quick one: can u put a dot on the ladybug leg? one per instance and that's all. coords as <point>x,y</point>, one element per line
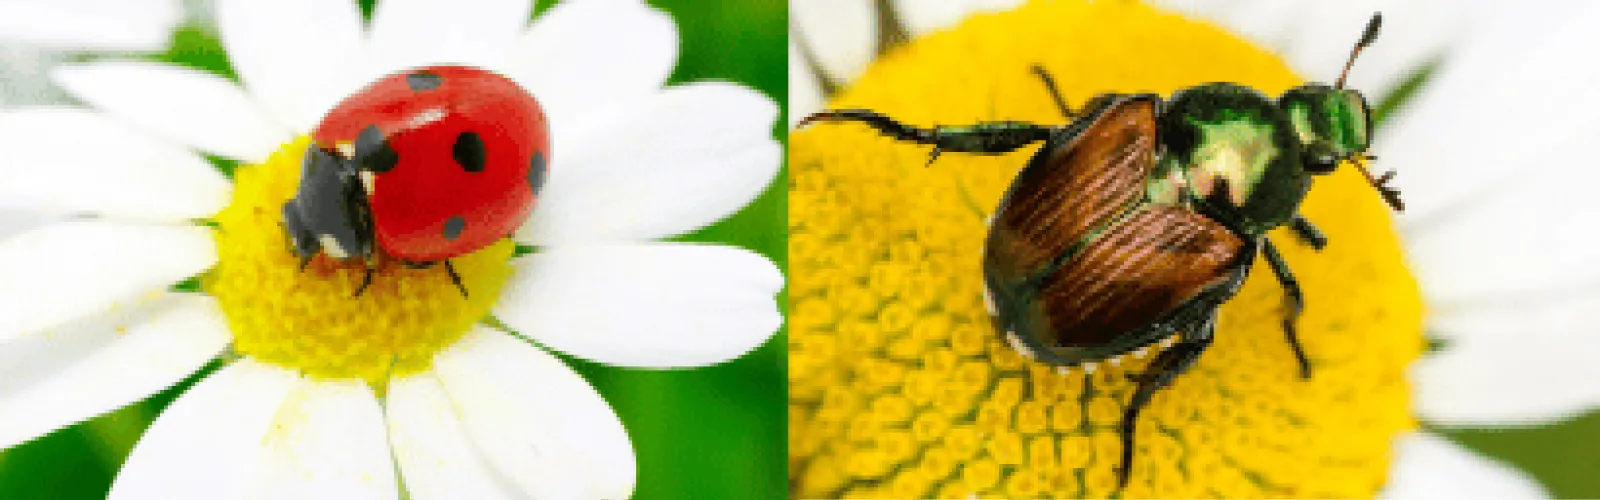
<point>366,280</point>
<point>986,137</point>
<point>1055,93</point>
<point>1291,290</point>
<point>1166,366</point>
<point>455,278</point>
<point>1308,232</point>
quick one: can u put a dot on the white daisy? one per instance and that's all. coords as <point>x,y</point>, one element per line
<point>402,394</point>
<point>1494,230</point>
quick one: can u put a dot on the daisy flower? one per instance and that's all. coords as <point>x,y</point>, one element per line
<point>900,388</point>
<point>410,389</point>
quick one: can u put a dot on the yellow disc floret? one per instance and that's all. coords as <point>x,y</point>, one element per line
<point>311,320</point>
<point>900,388</point>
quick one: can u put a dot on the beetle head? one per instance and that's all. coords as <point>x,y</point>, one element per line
<point>1332,124</point>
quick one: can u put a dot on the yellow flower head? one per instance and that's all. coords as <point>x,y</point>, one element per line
<point>900,387</point>
<point>311,320</point>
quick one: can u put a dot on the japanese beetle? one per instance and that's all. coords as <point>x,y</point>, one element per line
<point>1135,222</point>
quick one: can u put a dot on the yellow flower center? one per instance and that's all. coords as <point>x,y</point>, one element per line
<point>311,320</point>
<point>900,387</point>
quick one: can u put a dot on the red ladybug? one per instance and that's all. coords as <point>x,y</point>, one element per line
<point>424,165</point>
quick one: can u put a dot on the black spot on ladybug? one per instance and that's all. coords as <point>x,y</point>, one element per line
<point>373,152</point>
<point>469,151</point>
<point>423,80</point>
<point>536,171</point>
<point>453,227</point>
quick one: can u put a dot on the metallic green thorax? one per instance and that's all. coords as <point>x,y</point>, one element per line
<point>1237,153</point>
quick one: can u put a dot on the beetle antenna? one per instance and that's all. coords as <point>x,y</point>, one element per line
<point>1381,183</point>
<point>1367,38</point>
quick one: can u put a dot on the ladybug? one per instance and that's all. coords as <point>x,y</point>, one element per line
<point>420,166</point>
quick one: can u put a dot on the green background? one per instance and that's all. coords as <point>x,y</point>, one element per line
<point>709,433</point>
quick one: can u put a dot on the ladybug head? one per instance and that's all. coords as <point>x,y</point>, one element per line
<point>329,212</point>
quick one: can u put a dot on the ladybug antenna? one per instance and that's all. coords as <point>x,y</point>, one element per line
<point>1367,38</point>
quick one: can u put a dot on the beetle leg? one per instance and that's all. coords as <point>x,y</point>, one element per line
<point>1291,290</point>
<point>985,137</point>
<point>1308,232</point>
<point>1166,366</point>
<point>455,278</point>
<point>1055,93</point>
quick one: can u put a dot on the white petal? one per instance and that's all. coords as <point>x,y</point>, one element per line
<point>646,305</point>
<point>436,457</point>
<point>1524,238</point>
<point>1556,311</point>
<point>1508,380</point>
<point>98,365</point>
<point>841,33</point>
<point>328,440</point>
<point>582,58</point>
<point>299,57</point>
<point>1490,77</point>
<point>14,222</point>
<point>72,160</point>
<point>69,270</point>
<point>681,160</point>
<point>1268,23</point>
<point>1429,466</point>
<point>539,424</point>
<point>922,16</point>
<point>25,69</point>
<point>258,431</point>
<point>194,108</point>
<point>411,33</point>
<point>208,444</point>
<point>91,24</point>
<point>805,96</point>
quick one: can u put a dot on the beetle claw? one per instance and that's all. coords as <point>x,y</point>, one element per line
<point>932,156</point>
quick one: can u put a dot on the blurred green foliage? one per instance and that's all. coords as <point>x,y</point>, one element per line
<point>710,433</point>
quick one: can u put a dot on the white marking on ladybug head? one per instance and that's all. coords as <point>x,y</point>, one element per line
<point>367,178</point>
<point>346,149</point>
<point>1062,370</point>
<point>1090,367</point>
<point>1115,360</point>
<point>988,302</point>
<point>331,246</point>
<point>1140,354</point>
